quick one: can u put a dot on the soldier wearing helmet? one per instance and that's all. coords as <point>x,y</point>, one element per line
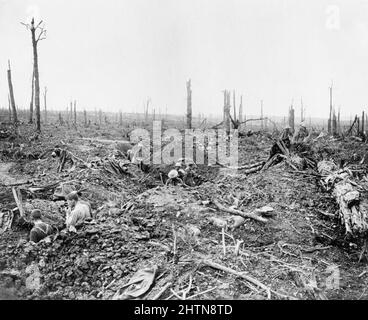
<point>40,229</point>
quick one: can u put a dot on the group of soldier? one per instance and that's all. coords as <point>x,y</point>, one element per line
<point>77,212</point>
<point>298,136</point>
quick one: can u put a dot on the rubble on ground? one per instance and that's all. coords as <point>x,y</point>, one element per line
<point>260,231</point>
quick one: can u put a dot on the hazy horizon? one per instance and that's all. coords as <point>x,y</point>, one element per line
<point>113,55</point>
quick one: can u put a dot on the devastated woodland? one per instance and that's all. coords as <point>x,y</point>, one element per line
<point>276,227</point>
<point>103,205</point>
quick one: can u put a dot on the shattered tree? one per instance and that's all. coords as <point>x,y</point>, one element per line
<point>241,109</point>
<point>120,119</point>
<point>11,95</point>
<point>35,39</point>
<point>85,117</point>
<point>353,207</point>
<point>234,105</point>
<point>32,99</point>
<point>292,119</point>
<point>227,106</point>
<point>45,103</point>
<point>9,107</point>
<point>329,125</point>
<point>189,105</point>
<point>75,112</point>
<point>262,121</point>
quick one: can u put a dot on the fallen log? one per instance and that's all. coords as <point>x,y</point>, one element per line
<point>15,184</point>
<point>247,166</point>
<point>353,208</point>
<point>18,200</point>
<point>243,275</point>
<point>238,212</point>
<point>44,188</point>
<point>271,161</point>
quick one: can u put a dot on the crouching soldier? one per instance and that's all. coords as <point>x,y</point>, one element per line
<point>301,134</point>
<point>40,229</point>
<point>285,136</point>
<point>77,212</point>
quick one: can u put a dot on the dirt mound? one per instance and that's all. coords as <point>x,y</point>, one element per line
<point>141,222</point>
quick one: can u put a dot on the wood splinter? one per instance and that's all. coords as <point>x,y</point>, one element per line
<point>18,200</point>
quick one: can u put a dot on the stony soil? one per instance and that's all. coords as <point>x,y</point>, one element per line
<point>295,254</point>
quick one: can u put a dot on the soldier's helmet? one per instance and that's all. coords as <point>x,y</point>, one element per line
<point>36,214</point>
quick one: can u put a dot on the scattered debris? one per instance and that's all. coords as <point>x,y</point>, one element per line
<point>33,281</point>
<point>254,225</point>
<point>138,285</point>
<point>353,208</point>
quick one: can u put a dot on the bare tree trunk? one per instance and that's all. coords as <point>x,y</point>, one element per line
<point>36,77</point>
<point>291,119</point>
<point>241,109</point>
<point>11,94</point>
<point>32,98</point>
<point>100,116</point>
<point>334,123</point>
<point>44,101</point>
<point>71,112</point>
<point>262,122</point>
<point>61,119</point>
<point>227,112</point>
<point>120,119</point>
<point>363,123</point>
<point>67,115</point>
<point>234,106</point>
<point>75,112</point>
<point>301,110</point>
<point>330,116</point>
<point>85,117</point>
<point>10,112</point>
<point>225,99</point>
<point>146,112</point>
<point>189,105</point>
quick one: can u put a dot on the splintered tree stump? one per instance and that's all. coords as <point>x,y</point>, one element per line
<point>352,213</point>
<point>353,207</point>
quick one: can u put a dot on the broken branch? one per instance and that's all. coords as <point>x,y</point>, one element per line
<point>160,293</point>
<point>18,200</point>
<point>217,266</point>
<point>238,212</point>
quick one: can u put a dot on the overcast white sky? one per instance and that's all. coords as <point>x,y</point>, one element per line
<point>114,54</point>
